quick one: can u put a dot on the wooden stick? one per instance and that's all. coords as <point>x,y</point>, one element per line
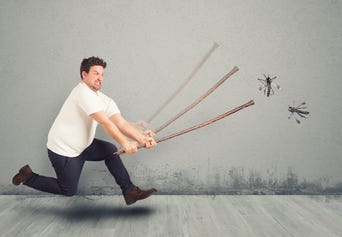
<point>186,81</point>
<point>197,101</point>
<point>249,103</point>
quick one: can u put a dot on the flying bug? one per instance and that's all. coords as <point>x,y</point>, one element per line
<point>299,110</point>
<point>267,85</point>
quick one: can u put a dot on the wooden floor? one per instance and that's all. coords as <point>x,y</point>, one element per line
<point>171,216</point>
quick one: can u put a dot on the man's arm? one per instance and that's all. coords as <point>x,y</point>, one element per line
<point>114,132</point>
<point>143,138</point>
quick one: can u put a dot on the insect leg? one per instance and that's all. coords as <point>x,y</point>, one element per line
<point>291,114</point>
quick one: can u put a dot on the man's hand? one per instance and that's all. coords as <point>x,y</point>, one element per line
<point>130,147</point>
<point>149,140</point>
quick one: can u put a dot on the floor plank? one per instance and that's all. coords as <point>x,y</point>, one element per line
<point>167,215</point>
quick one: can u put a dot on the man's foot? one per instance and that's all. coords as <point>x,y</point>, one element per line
<point>22,176</point>
<point>138,194</point>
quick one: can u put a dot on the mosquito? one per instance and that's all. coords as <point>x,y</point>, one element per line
<point>299,110</point>
<point>267,85</point>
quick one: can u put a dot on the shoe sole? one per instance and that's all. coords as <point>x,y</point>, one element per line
<point>17,179</point>
<point>20,176</point>
<point>134,201</point>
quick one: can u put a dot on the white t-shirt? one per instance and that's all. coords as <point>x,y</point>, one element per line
<point>74,130</point>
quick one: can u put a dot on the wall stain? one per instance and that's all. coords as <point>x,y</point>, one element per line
<point>199,181</point>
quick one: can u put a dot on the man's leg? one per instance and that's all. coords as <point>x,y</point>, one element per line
<point>101,150</point>
<point>68,171</point>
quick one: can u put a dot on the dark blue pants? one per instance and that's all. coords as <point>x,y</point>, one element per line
<point>68,170</point>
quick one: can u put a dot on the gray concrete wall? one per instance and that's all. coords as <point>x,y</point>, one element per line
<point>150,47</point>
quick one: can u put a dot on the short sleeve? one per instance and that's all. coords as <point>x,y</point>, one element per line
<point>112,108</point>
<point>90,102</point>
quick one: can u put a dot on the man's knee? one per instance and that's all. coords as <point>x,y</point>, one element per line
<point>105,146</point>
<point>111,148</point>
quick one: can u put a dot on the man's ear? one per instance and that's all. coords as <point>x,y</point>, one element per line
<point>84,74</point>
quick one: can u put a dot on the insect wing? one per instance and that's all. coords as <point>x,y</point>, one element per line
<point>276,85</point>
<point>301,106</point>
<point>304,107</point>
<point>302,113</point>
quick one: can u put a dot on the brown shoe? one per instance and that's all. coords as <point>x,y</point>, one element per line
<point>138,194</point>
<point>22,176</point>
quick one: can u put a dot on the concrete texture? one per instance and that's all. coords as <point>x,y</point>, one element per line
<point>150,47</point>
<point>171,215</point>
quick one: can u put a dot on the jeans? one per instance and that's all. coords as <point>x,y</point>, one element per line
<point>68,170</point>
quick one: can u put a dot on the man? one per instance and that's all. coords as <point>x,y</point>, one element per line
<point>71,139</point>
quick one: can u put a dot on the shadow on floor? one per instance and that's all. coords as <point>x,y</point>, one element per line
<point>91,211</point>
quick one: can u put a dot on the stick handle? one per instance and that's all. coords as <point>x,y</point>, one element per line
<point>226,114</point>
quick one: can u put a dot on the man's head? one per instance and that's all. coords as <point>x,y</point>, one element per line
<point>91,71</point>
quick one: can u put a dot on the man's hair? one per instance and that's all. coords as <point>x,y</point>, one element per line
<point>91,61</point>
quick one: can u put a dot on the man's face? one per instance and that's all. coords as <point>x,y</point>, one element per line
<point>94,78</point>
